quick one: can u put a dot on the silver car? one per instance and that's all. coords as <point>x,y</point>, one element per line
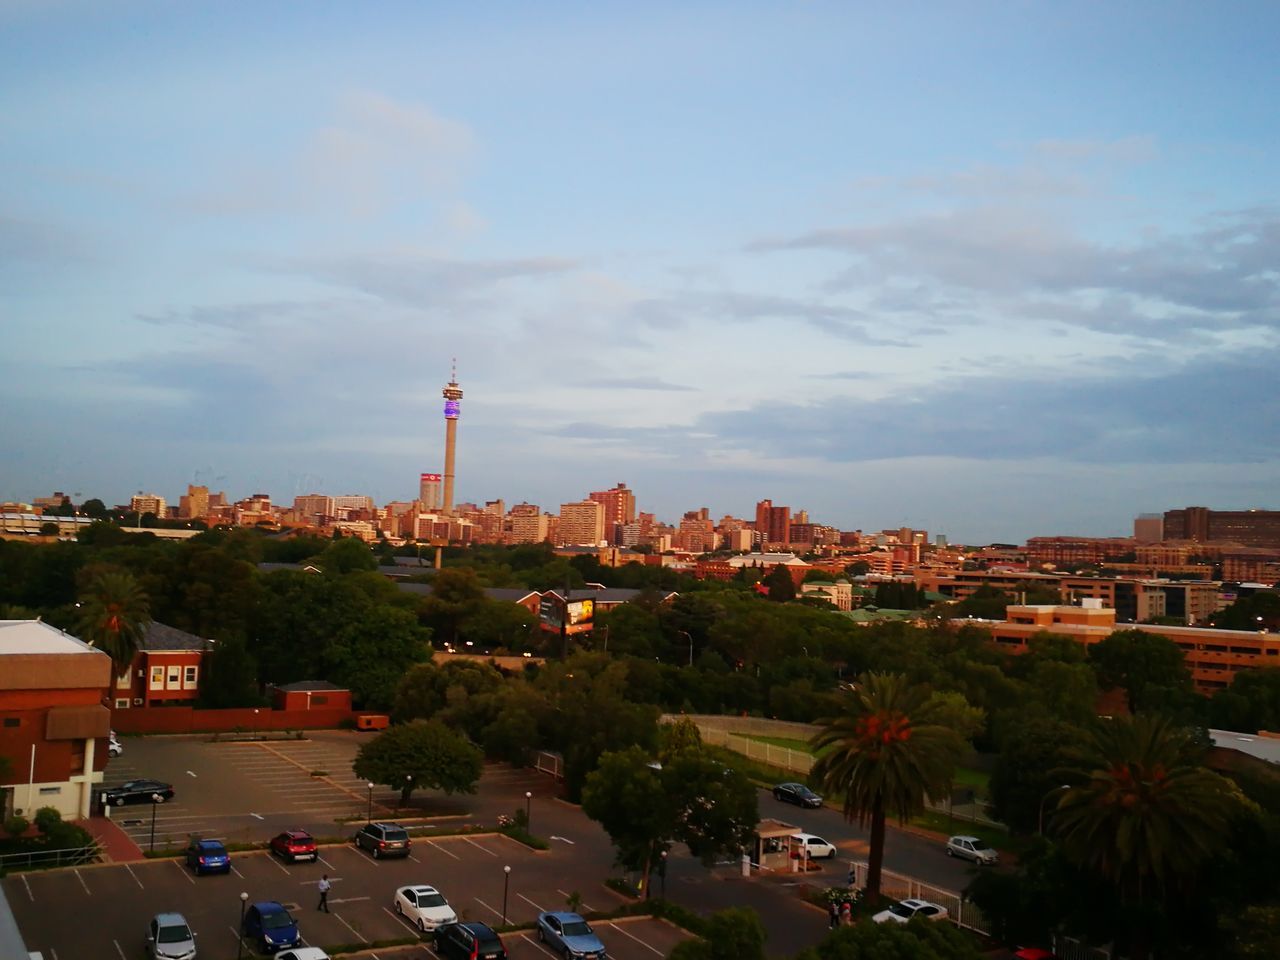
<point>971,848</point>
<point>170,938</point>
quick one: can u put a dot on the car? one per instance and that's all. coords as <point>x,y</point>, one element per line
<point>295,845</point>
<point>904,911</point>
<point>383,839</point>
<point>114,746</point>
<point>971,848</point>
<point>303,953</point>
<point>138,791</point>
<point>570,935</point>
<point>469,941</point>
<point>169,937</point>
<point>814,847</point>
<point>271,926</point>
<point>796,793</point>
<point>208,856</point>
<point>424,906</point>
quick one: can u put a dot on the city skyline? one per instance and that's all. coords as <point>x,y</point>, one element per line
<point>987,271</point>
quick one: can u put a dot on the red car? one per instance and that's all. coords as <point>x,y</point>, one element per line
<point>294,845</point>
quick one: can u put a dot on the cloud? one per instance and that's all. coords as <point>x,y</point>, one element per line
<point>633,383</point>
<point>26,241</point>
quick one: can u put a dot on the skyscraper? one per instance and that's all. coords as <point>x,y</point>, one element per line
<point>429,491</point>
<point>619,508</point>
<point>452,394</point>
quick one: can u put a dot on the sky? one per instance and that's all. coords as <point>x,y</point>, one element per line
<point>993,270</point>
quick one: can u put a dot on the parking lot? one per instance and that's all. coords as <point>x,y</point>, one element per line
<point>102,911</point>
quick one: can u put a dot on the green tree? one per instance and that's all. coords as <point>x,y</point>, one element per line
<point>231,677</point>
<point>884,753</point>
<point>1255,611</point>
<point>780,583</point>
<point>95,508</point>
<point>734,933</point>
<point>1143,814</point>
<point>48,529</point>
<point>1148,667</point>
<point>1250,704</point>
<point>422,755</point>
<point>346,555</point>
<point>1023,776</point>
<point>114,613</point>
<point>456,597</point>
<point>918,940</point>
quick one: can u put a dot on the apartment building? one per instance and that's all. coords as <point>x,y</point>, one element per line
<point>581,523</point>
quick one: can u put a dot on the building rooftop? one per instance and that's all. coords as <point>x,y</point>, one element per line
<point>1255,745</point>
<point>159,636</point>
<point>314,685</point>
<point>36,636</point>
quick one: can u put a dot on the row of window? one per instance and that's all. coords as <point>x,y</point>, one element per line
<point>173,677</point>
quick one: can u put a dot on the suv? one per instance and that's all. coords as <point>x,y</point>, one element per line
<point>294,845</point>
<point>469,941</point>
<point>383,840</point>
<point>971,848</point>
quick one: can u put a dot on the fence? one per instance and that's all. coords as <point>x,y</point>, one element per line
<point>1067,948</point>
<point>236,719</point>
<point>755,726</point>
<point>960,911</point>
<point>548,762</point>
<point>794,761</point>
<point>41,859</point>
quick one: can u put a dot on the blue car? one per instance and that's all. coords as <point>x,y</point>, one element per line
<point>271,926</point>
<point>570,936</point>
<point>208,856</point>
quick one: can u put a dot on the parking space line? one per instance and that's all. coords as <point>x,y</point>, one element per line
<point>401,917</point>
<point>83,884</point>
<point>120,950</point>
<point>432,843</point>
<point>324,861</point>
<point>535,906</point>
<point>636,939</point>
<point>582,903</point>
<point>478,847</point>
<point>363,938</point>
<point>186,873</point>
<point>527,939</point>
<point>496,913</point>
<point>132,874</point>
<point>53,953</point>
<point>237,872</point>
<point>274,860</point>
<point>30,895</point>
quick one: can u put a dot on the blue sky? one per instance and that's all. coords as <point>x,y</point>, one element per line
<point>994,270</point>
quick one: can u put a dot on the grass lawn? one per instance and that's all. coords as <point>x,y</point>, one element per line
<point>976,780</point>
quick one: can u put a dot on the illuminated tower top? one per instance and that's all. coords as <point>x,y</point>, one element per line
<point>452,394</point>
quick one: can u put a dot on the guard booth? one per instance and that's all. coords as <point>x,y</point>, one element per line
<point>372,721</point>
<point>772,846</point>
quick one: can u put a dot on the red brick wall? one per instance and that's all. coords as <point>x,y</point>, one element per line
<point>190,720</point>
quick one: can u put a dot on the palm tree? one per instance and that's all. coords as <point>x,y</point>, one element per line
<point>114,613</point>
<point>885,754</point>
<point>1141,811</point>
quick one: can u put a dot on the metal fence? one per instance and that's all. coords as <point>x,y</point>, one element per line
<point>41,859</point>
<point>548,762</point>
<point>795,761</point>
<point>1067,948</point>
<point>960,911</point>
<point>755,726</point>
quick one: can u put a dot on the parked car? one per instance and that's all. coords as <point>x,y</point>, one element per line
<point>294,845</point>
<point>208,856</point>
<point>424,906</point>
<point>815,847</point>
<point>271,926</point>
<point>138,791</point>
<point>169,937</point>
<point>796,793</point>
<point>569,934</point>
<point>905,910</point>
<point>303,953</point>
<point>469,941</point>
<point>383,840</point>
<point>114,746</point>
<point>971,848</point>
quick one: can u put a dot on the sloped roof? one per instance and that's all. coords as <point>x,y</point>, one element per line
<point>159,636</point>
<point>301,686</point>
<point>36,636</point>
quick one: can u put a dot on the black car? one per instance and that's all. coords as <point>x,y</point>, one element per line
<point>138,791</point>
<point>383,840</point>
<point>469,941</point>
<point>796,793</point>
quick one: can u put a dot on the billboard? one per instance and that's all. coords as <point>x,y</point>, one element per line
<point>552,611</point>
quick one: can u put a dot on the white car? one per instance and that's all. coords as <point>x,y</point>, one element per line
<point>806,844</point>
<point>971,848</point>
<point>114,746</point>
<point>905,910</point>
<point>424,906</point>
<point>303,953</point>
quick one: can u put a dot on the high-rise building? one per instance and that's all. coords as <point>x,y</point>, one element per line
<point>1252,528</point>
<point>773,524</point>
<point>194,504</point>
<point>452,394</point>
<point>429,491</point>
<point>528,524</point>
<point>353,506</point>
<point>314,508</point>
<point>581,523</point>
<point>619,508</point>
<point>141,503</point>
<point>1148,528</point>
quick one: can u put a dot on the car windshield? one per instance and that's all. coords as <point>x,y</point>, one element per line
<point>804,791</point>
<point>431,900</point>
<point>489,943</point>
<point>576,928</point>
<point>277,921</point>
<point>174,934</point>
<point>902,910</point>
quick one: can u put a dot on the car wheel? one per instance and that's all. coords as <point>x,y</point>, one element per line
<point>950,852</point>
<point>422,927</point>
<point>119,801</point>
<point>542,935</point>
<point>777,794</point>
<point>399,908</point>
<point>377,854</point>
<point>159,799</point>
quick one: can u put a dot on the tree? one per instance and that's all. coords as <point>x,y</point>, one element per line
<point>1148,667</point>
<point>885,753</point>
<point>1142,814</point>
<point>456,596</point>
<point>346,555</point>
<point>114,613</point>
<point>421,755</point>
<point>918,940</point>
<point>95,508</point>
<point>780,583</point>
<point>734,933</point>
<point>231,678</point>
<point>1023,776</point>
<point>1255,611</point>
<point>1250,704</point>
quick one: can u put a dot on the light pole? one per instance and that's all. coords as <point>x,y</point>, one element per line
<point>369,818</point>
<point>1043,800</point>
<point>506,885</point>
<point>408,786</point>
<point>244,898</point>
<point>685,634</point>
<point>528,808</point>
<point>156,799</point>
<point>662,872</point>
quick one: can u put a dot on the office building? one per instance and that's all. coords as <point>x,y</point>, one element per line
<point>581,523</point>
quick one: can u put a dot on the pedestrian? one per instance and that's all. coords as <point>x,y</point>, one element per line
<point>833,915</point>
<point>323,887</point>
<point>846,914</point>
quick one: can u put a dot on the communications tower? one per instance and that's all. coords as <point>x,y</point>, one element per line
<point>452,394</point>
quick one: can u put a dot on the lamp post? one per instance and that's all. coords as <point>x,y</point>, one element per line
<point>408,786</point>
<point>156,799</point>
<point>1043,800</point>
<point>244,898</point>
<point>685,634</point>
<point>369,818</point>
<point>528,808</point>
<point>662,872</point>
<point>506,885</point>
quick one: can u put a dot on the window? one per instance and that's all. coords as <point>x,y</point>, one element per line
<point>157,678</point>
<point>175,677</point>
<point>319,701</point>
<point>49,791</point>
<point>12,722</point>
<point>189,677</point>
<point>122,703</point>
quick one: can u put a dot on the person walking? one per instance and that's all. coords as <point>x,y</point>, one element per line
<point>323,887</point>
<point>833,915</point>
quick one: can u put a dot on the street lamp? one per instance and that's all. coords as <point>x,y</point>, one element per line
<point>244,898</point>
<point>528,808</point>
<point>1043,800</point>
<point>662,872</point>
<point>155,800</point>
<point>408,786</point>
<point>685,633</point>
<point>369,818</point>
<point>506,885</point>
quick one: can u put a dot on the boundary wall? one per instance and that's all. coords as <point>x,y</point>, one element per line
<point>233,720</point>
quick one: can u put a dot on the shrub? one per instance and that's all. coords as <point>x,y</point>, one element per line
<point>16,826</point>
<point>48,819</point>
